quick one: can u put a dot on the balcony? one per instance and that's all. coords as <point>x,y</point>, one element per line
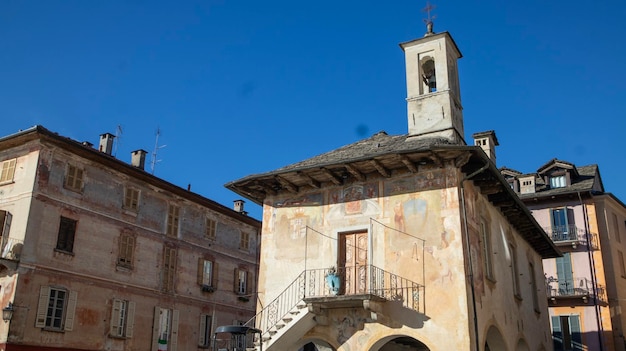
<point>571,235</point>
<point>365,286</point>
<point>10,251</point>
<point>574,288</point>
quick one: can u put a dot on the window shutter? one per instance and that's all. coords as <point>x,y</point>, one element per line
<point>564,274</point>
<point>130,319</point>
<point>115,318</point>
<point>69,313</point>
<point>174,340</point>
<point>5,223</point>
<point>574,328</point>
<point>202,330</point>
<point>214,275</point>
<point>42,309</point>
<point>236,281</point>
<point>557,336</point>
<point>248,285</point>
<point>155,328</point>
<point>200,270</point>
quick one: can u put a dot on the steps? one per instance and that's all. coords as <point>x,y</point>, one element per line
<point>290,329</point>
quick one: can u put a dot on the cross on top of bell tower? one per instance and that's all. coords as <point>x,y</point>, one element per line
<point>429,19</point>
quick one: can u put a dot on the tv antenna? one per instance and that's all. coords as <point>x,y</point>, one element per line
<point>154,159</point>
<point>118,137</point>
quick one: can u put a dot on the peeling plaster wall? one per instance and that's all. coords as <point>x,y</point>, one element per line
<point>301,231</point>
<point>38,198</point>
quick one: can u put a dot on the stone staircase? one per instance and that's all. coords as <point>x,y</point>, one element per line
<point>289,329</point>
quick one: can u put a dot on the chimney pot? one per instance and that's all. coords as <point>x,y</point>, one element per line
<point>106,143</point>
<point>238,206</point>
<point>138,158</point>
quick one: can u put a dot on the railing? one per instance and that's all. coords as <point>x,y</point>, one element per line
<point>11,248</point>
<point>353,281</point>
<point>569,233</point>
<point>576,287</point>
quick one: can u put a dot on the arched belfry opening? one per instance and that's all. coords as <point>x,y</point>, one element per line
<point>427,68</point>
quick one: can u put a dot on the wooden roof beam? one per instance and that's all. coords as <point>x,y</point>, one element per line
<point>333,178</point>
<point>436,159</point>
<point>381,169</point>
<point>310,181</point>
<point>355,172</point>
<point>286,184</point>
<point>408,163</point>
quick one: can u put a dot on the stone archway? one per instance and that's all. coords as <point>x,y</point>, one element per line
<point>494,340</point>
<point>404,343</point>
<point>316,345</point>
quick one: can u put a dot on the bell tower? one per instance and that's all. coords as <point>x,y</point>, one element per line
<point>432,84</point>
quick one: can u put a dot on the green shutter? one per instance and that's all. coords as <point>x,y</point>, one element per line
<point>557,335</point>
<point>564,274</point>
<point>574,327</point>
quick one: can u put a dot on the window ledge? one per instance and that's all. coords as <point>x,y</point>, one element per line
<point>7,182</point>
<point>123,268</point>
<point>119,337</point>
<point>63,252</point>
<point>130,211</point>
<point>54,330</point>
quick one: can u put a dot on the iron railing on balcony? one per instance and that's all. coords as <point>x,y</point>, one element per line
<point>570,233</point>
<point>10,248</point>
<point>575,287</point>
<point>353,281</point>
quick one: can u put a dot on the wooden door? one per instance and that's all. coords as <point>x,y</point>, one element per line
<point>353,262</point>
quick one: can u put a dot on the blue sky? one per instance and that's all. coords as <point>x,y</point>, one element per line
<point>244,87</point>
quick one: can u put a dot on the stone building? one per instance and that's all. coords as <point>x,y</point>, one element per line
<point>98,254</point>
<point>412,242</point>
<point>587,285</point>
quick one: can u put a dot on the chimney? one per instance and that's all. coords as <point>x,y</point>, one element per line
<point>138,158</point>
<point>488,142</point>
<point>238,206</point>
<point>106,143</point>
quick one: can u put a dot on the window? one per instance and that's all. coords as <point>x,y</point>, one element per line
<point>204,332</point>
<point>533,286</point>
<point>131,199</point>
<point>122,318</point>
<point>485,237</point>
<point>564,275</point>
<point>67,230</point>
<point>126,250</point>
<point>514,272</point>
<point>561,228</point>
<point>566,334</point>
<point>206,275</point>
<point>244,240</point>
<point>169,268</point>
<point>7,171</point>
<point>5,224</point>
<point>210,228</point>
<point>74,179</point>
<point>241,281</point>
<point>172,220</point>
<point>622,268</point>
<point>558,181</point>
<point>56,309</point>
<point>165,329</point>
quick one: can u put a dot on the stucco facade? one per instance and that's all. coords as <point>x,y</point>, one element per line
<point>99,255</point>
<point>585,287</point>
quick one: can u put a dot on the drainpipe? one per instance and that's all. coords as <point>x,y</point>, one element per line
<point>592,268</point>
<point>469,254</point>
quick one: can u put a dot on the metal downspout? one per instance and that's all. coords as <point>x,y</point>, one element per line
<point>469,254</point>
<point>592,268</point>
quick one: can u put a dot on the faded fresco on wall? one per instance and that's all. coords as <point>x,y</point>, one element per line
<point>289,218</point>
<point>359,201</point>
<point>473,224</point>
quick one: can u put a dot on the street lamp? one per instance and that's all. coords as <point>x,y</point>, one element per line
<point>7,312</point>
